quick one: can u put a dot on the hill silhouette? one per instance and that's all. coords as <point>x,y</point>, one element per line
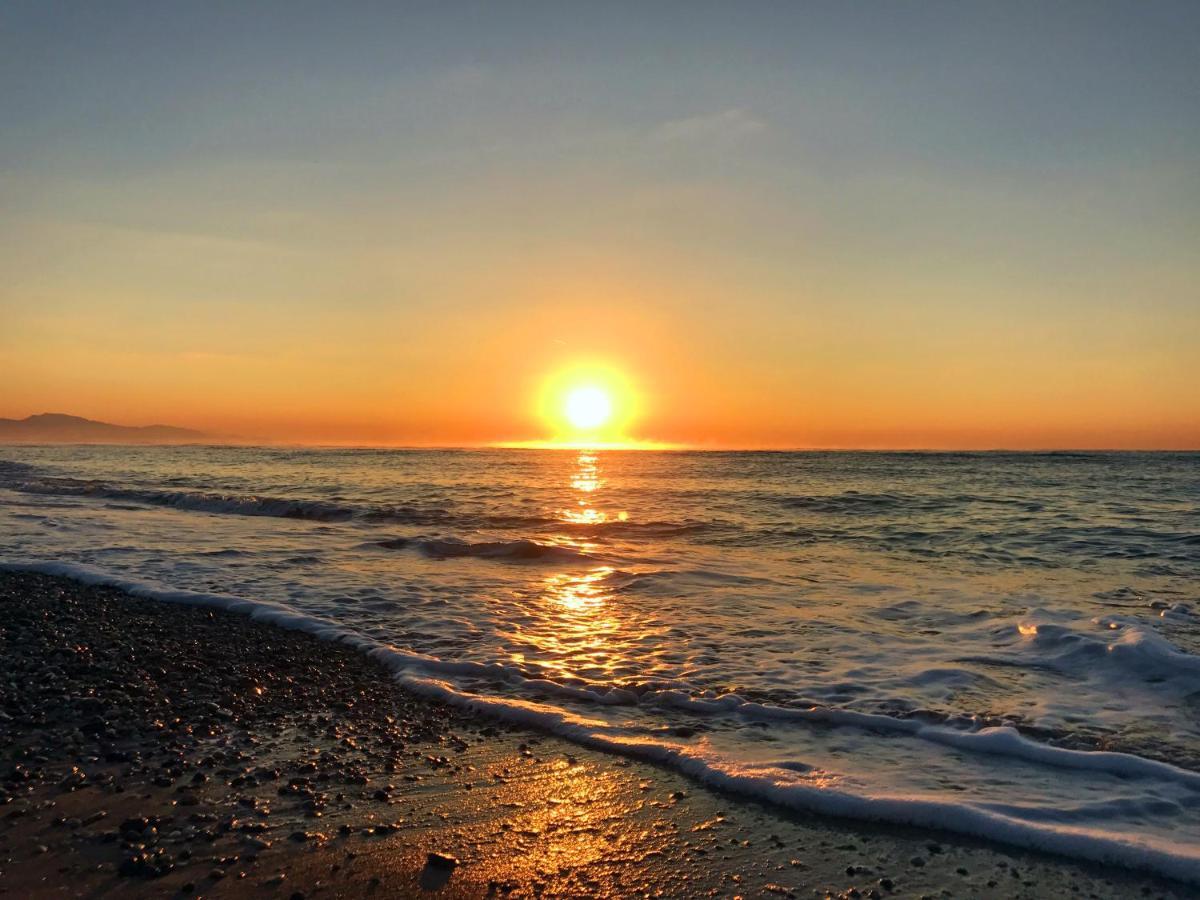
<point>59,428</point>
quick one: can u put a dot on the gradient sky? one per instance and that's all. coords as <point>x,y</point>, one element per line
<point>793,224</point>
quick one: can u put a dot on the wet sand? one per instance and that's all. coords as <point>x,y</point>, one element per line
<point>148,749</point>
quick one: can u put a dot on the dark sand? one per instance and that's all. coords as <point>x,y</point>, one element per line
<point>148,749</point>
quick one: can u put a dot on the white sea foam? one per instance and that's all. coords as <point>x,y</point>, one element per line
<point>1122,644</point>
<point>1083,829</point>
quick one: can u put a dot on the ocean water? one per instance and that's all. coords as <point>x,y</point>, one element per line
<point>1004,645</point>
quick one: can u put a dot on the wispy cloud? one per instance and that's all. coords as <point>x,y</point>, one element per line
<point>729,123</point>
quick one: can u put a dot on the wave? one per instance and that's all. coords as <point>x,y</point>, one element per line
<point>925,525</point>
<point>519,550</point>
<point>456,548</point>
<point>219,503</point>
<point>995,740</point>
<point>856,502</point>
<point>237,504</point>
<point>605,527</point>
<point>1014,542</point>
<point>1124,649</point>
<point>786,782</point>
<point>9,467</point>
<point>849,501</point>
<point>645,529</point>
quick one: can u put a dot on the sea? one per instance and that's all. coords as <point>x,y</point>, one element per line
<point>1003,645</point>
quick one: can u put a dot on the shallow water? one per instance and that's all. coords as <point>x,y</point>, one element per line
<point>851,633</point>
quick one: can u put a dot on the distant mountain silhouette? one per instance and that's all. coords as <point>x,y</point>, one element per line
<point>57,428</point>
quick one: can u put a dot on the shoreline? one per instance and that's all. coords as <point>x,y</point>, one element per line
<point>174,750</point>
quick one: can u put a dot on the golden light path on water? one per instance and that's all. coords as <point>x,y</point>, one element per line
<point>580,631</point>
<point>588,480</point>
<point>587,633</point>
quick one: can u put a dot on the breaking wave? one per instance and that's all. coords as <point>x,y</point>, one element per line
<point>235,504</point>
<point>517,551</point>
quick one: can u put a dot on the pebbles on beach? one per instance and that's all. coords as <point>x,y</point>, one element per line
<point>203,753</point>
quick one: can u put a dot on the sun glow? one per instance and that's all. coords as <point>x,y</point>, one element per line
<point>587,408</point>
<point>588,405</point>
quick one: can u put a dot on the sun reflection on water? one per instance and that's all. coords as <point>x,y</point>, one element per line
<point>578,629</point>
<point>587,479</point>
<point>579,593</point>
<point>580,634</point>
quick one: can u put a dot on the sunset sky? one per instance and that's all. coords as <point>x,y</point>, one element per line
<point>769,225</point>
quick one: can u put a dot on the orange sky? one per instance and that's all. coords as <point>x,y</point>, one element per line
<point>389,377</point>
<point>788,230</point>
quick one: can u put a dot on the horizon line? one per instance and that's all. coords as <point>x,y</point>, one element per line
<point>599,447</point>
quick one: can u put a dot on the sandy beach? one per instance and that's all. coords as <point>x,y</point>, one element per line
<point>159,750</point>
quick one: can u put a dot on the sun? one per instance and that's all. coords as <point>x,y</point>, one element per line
<point>588,408</point>
<point>587,403</point>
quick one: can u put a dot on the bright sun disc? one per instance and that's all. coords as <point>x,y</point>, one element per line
<point>588,407</point>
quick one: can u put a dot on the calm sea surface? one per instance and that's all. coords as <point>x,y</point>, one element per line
<point>926,638</point>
